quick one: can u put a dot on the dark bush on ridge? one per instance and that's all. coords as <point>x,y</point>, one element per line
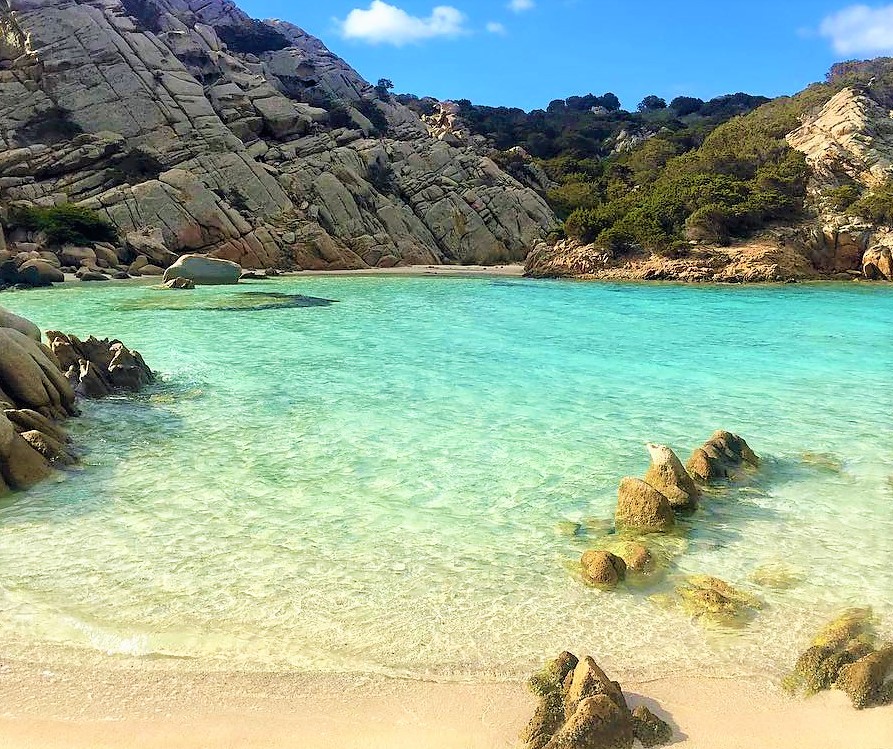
<point>65,224</point>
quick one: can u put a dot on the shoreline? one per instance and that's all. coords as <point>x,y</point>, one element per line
<point>128,707</point>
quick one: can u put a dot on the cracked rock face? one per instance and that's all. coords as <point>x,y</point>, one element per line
<point>248,140</point>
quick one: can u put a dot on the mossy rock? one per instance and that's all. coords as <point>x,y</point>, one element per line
<point>710,598</point>
<point>649,729</point>
<point>868,682</point>
<point>843,641</point>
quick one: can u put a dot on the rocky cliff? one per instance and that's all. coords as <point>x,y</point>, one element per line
<point>189,122</point>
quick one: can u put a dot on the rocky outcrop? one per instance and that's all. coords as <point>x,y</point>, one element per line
<point>186,120</point>
<point>850,137</point>
<point>581,708</point>
<point>775,256</point>
<point>204,271</point>
<point>38,386</point>
<point>97,368</point>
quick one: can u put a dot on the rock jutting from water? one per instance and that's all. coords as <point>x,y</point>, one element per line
<point>723,456</point>
<point>581,708</point>
<point>204,271</point>
<point>98,368</point>
<point>846,654</point>
<point>36,394</point>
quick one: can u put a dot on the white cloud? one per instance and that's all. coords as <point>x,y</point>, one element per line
<point>382,23</point>
<point>496,28</point>
<point>860,29</point>
<point>519,6</point>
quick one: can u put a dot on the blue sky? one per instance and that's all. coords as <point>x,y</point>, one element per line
<point>527,52</point>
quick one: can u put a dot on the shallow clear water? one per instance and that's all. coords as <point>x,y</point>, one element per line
<point>384,483</point>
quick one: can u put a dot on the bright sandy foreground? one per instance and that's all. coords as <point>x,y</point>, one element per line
<point>130,706</point>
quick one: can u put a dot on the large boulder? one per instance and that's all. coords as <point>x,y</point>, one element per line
<point>150,247</point>
<point>204,271</point>
<point>11,320</point>
<point>877,264</point>
<point>667,474</point>
<point>30,378</point>
<point>40,273</point>
<point>21,466</point>
<point>642,508</point>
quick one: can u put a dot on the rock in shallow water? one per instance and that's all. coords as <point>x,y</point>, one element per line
<point>603,569</point>
<point>667,474</point>
<point>641,507</point>
<point>97,368</point>
<point>721,457</point>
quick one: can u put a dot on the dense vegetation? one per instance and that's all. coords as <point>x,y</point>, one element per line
<point>65,224</point>
<point>672,173</point>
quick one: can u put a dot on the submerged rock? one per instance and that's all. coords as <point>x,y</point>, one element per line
<point>721,457</point>
<point>638,557</point>
<point>641,507</point>
<point>581,708</point>
<point>667,474</point>
<point>710,598</point>
<point>180,283</point>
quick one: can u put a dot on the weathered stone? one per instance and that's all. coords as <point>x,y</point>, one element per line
<point>877,264</point>
<point>11,320</point>
<point>721,457</point>
<point>638,557</point>
<point>26,420</point>
<point>588,680</point>
<point>669,477</point>
<point>180,283</point>
<point>20,465</point>
<point>869,681</point>
<point>641,507</point>
<point>603,569</point>
<point>649,729</point>
<point>50,448</point>
<point>204,270</point>
<point>31,378</point>
<point>40,273</point>
<point>596,723</point>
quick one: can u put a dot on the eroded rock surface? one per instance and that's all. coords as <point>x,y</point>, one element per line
<point>97,368</point>
<point>581,708</point>
<point>187,122</point>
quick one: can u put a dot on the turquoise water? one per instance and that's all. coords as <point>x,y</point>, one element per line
<point>388,483</point>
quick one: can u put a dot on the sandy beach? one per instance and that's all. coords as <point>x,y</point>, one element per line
<point>127,706</point>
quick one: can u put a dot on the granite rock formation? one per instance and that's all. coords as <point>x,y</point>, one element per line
<point>189,123</point>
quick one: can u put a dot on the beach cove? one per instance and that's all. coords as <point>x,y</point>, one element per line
<point>327,461</point>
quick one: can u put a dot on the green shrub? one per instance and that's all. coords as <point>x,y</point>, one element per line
<point>876,206</point>
<point>65,224</point>
<point>841,198</point>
